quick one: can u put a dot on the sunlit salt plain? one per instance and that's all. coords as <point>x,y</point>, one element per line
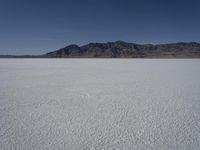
<point>81,104</point>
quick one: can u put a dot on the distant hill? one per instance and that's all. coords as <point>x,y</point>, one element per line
<point>121,49</point>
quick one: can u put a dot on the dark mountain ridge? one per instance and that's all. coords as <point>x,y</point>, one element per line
<point>121,49</point>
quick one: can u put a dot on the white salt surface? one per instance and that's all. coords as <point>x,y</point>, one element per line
<point>81,104</point>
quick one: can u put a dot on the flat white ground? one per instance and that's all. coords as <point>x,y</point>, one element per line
<point>111,104</point>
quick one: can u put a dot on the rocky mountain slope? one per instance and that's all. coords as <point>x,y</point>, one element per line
<point>121,49</point>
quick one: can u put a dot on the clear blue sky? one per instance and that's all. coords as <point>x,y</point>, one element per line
<point>38,26</point>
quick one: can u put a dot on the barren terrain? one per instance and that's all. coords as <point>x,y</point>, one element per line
<point>111,104</point>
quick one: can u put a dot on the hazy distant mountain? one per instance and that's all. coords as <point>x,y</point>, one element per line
<point>121,49</point>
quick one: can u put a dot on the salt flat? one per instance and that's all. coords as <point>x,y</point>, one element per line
<point>73,104</point>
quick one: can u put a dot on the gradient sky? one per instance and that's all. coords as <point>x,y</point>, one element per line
<point>39,26</point>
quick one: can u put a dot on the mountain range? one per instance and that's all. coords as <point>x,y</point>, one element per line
<point>121,49</point>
